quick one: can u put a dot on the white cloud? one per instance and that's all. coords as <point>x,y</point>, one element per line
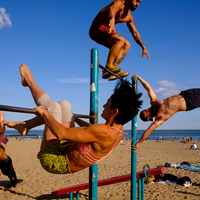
<point>168,89</point>
<point>164,92</point>
<point>167,84</point>
<point>4,19</point>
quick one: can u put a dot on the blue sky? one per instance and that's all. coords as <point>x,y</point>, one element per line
<point>51,37</point>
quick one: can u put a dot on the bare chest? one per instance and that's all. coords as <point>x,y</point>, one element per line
<point>122,16</point>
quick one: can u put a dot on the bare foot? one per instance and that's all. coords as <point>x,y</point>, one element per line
<point>19,126</point>
<point>26,76</point>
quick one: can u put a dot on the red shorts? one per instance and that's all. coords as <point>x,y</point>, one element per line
<point>100,34</point>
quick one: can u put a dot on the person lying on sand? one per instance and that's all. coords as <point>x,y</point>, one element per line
<point>184,181</point>
<point>68,149</point>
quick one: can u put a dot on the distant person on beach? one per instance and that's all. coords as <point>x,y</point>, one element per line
<point>6,165</point>
<point>4,140</point>
<point>194,147</point>
<point>162,110</point>
<point>103,32</point>
<point>68,149</point>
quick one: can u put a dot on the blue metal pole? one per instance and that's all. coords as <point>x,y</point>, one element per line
<point>142,188</point>
<point>134,154</point>
<point>77,195</point>
<point>71,195</point>
<point>139,189</point>
<point>94,77</point>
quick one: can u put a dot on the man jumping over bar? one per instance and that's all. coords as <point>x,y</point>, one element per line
<point>164,109</point>
<point>103,32</point>
<point>68,149</point>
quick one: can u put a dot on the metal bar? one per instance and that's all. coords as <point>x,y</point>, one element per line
<point>134,154</point>
<point>142,188</point>
<point>139,189</point>
<point>114,74</point>
<point>77,195</point>
<point>94,76</point>
<point>109,181</point>
<point>32,111</point>
<point>71,195</point>
<point>17,109</point>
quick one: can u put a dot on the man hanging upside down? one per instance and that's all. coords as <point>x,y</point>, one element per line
<point>68,149</point>
<point>103,32</point>
<point>164,109</point>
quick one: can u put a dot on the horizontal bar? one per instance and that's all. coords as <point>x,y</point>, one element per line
<point>106,69</point>
<point>17,109</point>
<point>108,181</point>
<point>32,111</point>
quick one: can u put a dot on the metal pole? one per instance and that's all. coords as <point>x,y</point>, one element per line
<point>142,188</point>
<point>94,76</point>
<point>134,154</point>
<point>32,111</point>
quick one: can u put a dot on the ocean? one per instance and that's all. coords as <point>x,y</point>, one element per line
<point>165,134</point>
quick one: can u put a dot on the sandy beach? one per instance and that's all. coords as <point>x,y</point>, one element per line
<point>35,183</point>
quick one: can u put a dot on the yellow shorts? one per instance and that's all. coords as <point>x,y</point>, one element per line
<point>53,158</point>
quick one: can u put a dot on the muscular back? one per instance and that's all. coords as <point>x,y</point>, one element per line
<point>168,107</point>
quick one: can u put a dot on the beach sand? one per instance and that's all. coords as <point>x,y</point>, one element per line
<point>35,183</point>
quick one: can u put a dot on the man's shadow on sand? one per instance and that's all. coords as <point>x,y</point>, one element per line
<point>5,184</point>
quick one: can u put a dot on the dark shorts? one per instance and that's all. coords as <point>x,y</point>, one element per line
<point>100,34</point>
<point>6,167</point>
<point>192,98</point>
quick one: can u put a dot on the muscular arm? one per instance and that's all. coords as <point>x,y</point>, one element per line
<point>147,87</point>
<point>148,131</point>
<point>136,36</point>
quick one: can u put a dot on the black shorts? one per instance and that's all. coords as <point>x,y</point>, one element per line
<point>192,98</point>
<point>7,167</point>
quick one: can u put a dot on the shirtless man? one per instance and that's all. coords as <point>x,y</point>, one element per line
<point>85,145</point>
<point>162,110</point>
<point>103,32</point>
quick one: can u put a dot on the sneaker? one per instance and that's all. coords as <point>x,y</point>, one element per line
<point>106,74</point>
<point>121,74</point>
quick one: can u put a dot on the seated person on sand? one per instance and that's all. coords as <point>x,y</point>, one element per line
<point>83,146</point>
<point>164,109</point>
<point>194,147</point>
<point>6,165</point>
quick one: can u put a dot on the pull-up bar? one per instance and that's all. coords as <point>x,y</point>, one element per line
<point>106,69</point>
<point>32,111</point>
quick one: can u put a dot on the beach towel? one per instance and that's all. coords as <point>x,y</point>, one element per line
<point>185,165</point>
